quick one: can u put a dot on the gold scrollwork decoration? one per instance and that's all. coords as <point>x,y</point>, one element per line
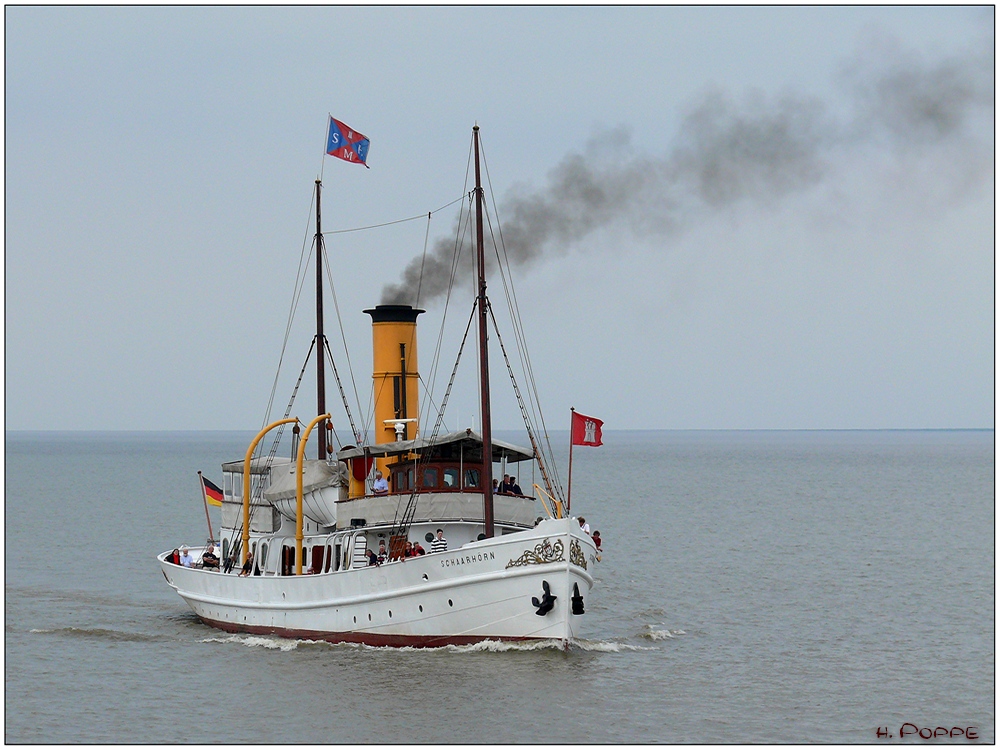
<point>545,552</point>
<point>576,554</point>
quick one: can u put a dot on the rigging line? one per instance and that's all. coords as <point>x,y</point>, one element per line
<point>326,140</point>
<point>513,306</point>
<point>454,371</point>
<point>343,337</point>
<point>427,394</point>
<point>343,397</point>
<point>436,359</point>
<point>401,524</point>
<point>300,277</point>
<point>420,279</point>
<point>455,265</point>
<point>520,401</point>
<point>390,223</point>
<point>508,285</point>
<point>369,415</point>
<point>377,396</point>
<point>456,253</point>
<point>519,333</point>
<point>463,226</point>
<point>275,443</point>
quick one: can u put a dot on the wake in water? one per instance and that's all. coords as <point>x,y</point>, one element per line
<point>101,634</point>
<point>651,633</point>
<point>289,644</point>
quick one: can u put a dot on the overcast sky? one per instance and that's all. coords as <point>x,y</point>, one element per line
<point>725,217</point>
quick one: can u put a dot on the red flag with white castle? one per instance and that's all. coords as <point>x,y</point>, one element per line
<point>586,430</point>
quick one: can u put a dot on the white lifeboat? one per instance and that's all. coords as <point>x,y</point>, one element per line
<point>321,483</point>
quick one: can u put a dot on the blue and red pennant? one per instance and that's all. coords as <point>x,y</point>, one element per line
<point>346,143</point>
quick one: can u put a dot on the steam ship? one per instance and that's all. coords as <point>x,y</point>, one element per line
<point>299,536</point>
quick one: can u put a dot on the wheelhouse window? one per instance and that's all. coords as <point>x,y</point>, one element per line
<point>399,481</point>
<point>430,477</point>
<point>472,477</point>
<point>451,478</point>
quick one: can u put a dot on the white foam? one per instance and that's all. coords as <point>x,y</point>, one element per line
<point>257,641</point>
<point>482,646</point>
<point>660,635</point>
<point>612,647</point>
<point>500,646</point>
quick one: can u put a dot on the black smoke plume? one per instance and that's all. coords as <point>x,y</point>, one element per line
<point>759,148</point>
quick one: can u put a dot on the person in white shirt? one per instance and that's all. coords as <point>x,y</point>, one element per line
<point>380,486</point>
<point>186,560</point>
<point>584,525</point>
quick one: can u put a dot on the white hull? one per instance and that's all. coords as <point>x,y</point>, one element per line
<point>481,591</point>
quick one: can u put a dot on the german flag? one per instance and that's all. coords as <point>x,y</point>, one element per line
<point>213,495</point>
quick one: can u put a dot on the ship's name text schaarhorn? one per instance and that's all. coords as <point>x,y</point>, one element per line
<point>467,559</point>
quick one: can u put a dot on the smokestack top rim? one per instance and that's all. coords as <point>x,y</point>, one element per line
<point>394,313</point>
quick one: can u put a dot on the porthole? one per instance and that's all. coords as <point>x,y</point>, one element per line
<point>429,537</point>
<point>451,603</point>
<point>355,620</point>
<point>421,607</point>
<point>390,614</point>
<point>369,617</point>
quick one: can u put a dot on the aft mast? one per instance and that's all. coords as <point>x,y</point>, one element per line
<point>484,368</point>
<point>320,339</point>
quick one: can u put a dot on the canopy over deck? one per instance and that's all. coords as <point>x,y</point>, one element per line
<point>258,464</point>
<point>464,443</point>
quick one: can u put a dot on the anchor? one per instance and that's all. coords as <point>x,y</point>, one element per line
<point>547,601</point>
<point>577,600</point>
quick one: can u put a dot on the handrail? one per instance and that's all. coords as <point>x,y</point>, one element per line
<point>246,484</point>
<point>298,491</point>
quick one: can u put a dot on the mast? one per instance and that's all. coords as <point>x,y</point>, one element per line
<point>484,369</point>
<point>320,339</point>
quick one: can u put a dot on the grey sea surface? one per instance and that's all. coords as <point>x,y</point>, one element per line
<point>767,587</point>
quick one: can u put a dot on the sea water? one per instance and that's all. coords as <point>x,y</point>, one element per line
<point>782,587</point>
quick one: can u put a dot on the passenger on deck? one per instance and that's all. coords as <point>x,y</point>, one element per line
<point>440,544</point>
<point>597,540</point>
<point>380,486</point>
<point>174,557</point>
<point>584,525</point>
<point>418,550</point>
<point>382,555</point>
<point>505,485</point>
<point>186,560</point>
<point>209,559</point>
<point>372,557</point>
<point>496,487</point>
<point>247,566</point>
<point>515,488</point>
<point>408,549</point>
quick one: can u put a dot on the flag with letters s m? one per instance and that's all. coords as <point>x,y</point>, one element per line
<point>346,143</point>
<point>586,430</point>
